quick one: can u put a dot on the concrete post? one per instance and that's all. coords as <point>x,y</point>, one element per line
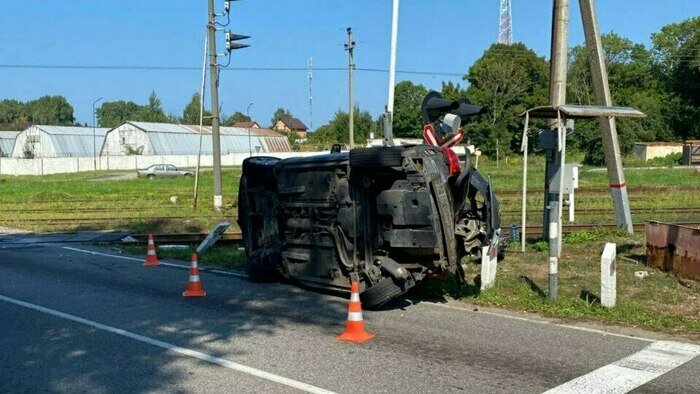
<point>608,276</point>
<point>489,265</point>
<point>611,146</point>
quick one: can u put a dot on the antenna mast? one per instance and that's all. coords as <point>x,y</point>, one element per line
<point>505,24</point>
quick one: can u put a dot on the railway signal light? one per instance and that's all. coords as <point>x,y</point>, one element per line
<point>231,43</point>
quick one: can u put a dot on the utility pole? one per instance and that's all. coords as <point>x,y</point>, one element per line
<point>389,114</point>
<point>94,121</point>
<point>311,96</point>
<point>611,146</point>
<point>555,163</point>
<point>215,136</point>
<point>350,46</point>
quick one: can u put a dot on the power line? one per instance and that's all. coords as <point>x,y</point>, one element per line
<point>190,68</point>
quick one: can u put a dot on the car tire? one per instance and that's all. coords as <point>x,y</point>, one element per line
<point>378,156</point>
<point>261,270</point>
<point>260,171</point>
<point>379,294</point>
<point>151,177</point>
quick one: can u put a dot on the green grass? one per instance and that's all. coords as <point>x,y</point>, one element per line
<point>130,204</point>
<point>660,302</point>
<point>222,255</point>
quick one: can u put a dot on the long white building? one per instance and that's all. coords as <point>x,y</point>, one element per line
<point>144,138</point>
<point>41,141</point>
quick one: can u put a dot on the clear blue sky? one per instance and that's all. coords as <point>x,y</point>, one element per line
<point>285,33</point>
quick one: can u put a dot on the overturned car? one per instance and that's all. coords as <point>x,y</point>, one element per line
<point>383,216</point>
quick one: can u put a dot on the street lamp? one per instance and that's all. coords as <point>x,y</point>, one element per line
<point>250,145</point>
<point>94,120</point>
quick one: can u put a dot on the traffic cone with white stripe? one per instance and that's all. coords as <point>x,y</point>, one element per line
<point>194,285</point>
<point>151,258</point>
<point>355,325</point>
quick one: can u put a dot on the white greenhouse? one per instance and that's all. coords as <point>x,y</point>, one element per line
<point>143,138</point>
<point>41,141</point>
<point>7,141</point>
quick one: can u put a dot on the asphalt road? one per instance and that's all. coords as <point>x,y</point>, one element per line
<point>76,322</point>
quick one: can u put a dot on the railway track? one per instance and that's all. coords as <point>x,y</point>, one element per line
<point>533,231</point>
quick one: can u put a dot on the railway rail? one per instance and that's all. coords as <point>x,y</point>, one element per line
<point>533,231</point>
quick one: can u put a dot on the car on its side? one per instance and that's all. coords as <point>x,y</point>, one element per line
<point>384,216</point>
<point>163,171</point>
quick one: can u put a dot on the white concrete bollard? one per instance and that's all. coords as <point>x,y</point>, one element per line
<point>488,268</point>
<point>608,276</point>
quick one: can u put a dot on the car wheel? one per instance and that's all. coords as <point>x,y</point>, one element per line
<point>261,270</point>
<point>378,156</point>
<point>151,176</point>
<point>380,293</point>
<point>260,171</point>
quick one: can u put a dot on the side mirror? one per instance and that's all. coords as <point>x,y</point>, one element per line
<point>335,148</point>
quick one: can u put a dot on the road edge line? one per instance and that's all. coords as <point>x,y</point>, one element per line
<point>202,269</point>
<point>170,347</point>
<point>543,322</point>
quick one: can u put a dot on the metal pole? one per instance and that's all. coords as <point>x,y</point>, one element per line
<point>215,136</point>
<point>94,149</point>
<point>523,212</point>
<point>250,145</point>
<point>557,97</point>
<point>389,116</point>
<point>611,145</point>
<point>350,46</point>
<point>201,117</point>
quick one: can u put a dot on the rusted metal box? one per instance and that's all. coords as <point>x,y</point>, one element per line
<point>674,248</point>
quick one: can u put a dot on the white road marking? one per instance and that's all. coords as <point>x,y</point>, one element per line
<point>92,252</point>
<point>173,348</point>
<point>464,309</point>
<point>631,372</point>
<point>543,322</point>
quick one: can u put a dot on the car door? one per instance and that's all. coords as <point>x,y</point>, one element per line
<point>159,170</point>
<point>170,170</point>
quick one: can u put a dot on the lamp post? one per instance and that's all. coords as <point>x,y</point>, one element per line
<point>250,145</point>
<point>94,120</point>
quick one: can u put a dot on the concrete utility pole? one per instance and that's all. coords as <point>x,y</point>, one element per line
<point>557,97</point>
<point>215,136</point>
<point>611,146</point>
<point>94,121</point>
<point>389,114</point>
<point>350,46</point>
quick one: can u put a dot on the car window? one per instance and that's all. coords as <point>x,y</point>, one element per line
<point>171,168</point>
<point>159,167</point>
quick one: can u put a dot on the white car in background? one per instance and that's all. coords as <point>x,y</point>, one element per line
<point>163,171</point>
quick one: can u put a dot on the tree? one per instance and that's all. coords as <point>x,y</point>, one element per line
<point>633,83</point>
<point>237,116</point>
<point>50,110</point>
<point>407,100</point>
<point>13,114</point>
<point>336,131</point>
<point>114,113</point>
<point>676,53</point>
<point>190,115</point>
<point>279,114</point>
<point>507,80</point>
<point>453,91</point>
<point>152,112</point>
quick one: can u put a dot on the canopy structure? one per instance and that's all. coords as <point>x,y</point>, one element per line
<point>582,112</point>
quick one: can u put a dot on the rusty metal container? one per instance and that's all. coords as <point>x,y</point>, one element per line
<point>674,248</point>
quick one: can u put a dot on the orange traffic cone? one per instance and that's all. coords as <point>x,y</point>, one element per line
<point>355,325</point>
<point>151,258</point>
<point>194,285</point>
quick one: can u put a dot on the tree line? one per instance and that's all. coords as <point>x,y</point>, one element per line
<point>662,81</point>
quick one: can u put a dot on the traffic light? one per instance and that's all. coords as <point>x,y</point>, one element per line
<point>230,41</point>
